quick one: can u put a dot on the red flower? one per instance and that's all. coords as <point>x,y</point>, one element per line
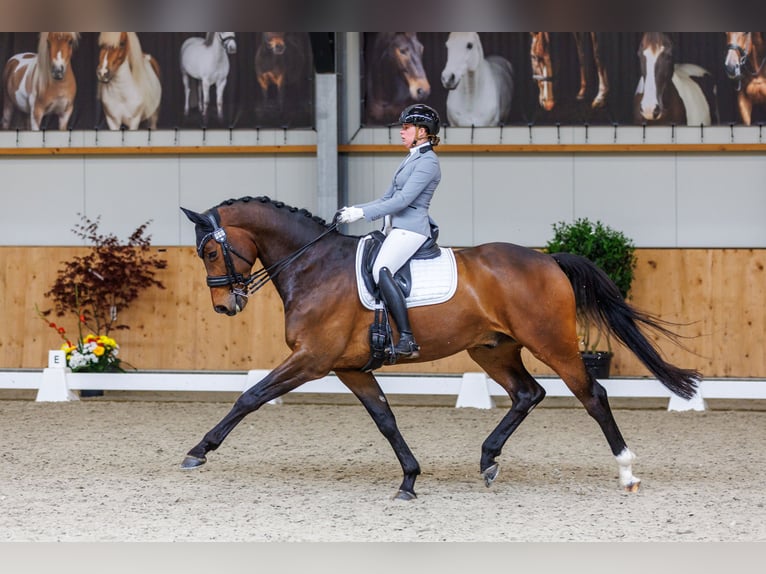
<point>61,330</point>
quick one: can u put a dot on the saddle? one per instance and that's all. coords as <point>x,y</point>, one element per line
<point>403,277</point>
<point>381,339</point>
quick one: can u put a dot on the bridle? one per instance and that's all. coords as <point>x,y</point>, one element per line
<point>241,285</point>
<point>226,39</point>
<point>744,61</point>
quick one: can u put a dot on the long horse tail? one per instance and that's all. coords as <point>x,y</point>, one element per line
<point>599,300</point>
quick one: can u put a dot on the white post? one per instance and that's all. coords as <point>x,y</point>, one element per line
<point>474,392</point>
<point>53,387</point>
<point>696,403</point>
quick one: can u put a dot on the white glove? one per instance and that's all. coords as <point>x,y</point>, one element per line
<point>350,214</point>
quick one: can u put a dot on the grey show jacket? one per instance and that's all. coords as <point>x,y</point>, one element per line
<point>409,196</point>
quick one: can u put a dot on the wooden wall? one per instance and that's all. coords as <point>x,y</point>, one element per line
<point>717,293</point>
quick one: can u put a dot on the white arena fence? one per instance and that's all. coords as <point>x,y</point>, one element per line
<point>57,383</point>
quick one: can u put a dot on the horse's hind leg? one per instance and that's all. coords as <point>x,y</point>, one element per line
<point>603,80</point>
<point>367,390</point>
<point>593,397</point>
<point>503,363</point>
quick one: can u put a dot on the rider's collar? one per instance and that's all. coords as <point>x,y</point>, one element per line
<point>422,148</point>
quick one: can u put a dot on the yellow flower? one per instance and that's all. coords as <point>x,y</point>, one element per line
<point>98,351</point>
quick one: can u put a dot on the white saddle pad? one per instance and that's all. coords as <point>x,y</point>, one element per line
<point>433,280</point>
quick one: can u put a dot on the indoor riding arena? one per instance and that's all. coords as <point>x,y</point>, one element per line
<point>187,354</point>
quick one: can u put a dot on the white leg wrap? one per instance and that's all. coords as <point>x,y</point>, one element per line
<point>625,461</point>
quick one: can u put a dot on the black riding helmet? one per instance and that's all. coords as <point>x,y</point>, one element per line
<point>421,115</point>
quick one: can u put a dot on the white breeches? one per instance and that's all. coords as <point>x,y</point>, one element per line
<point>398,247</point>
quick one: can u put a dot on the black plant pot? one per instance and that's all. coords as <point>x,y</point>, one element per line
<point>597,363</point>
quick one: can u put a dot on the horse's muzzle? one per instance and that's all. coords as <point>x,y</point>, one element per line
<point>235,304</point>
<point>733,72</point>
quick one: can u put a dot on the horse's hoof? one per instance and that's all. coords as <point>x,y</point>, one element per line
<point>404,495</point>
<point>633,486</point>
<point>490,474</point>
<point>193,461</point>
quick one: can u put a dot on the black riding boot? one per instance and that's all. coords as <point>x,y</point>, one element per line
<point>394,299</point>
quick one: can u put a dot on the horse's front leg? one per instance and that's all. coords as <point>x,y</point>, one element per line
<point>64,117</point>
<point>219,90</point>
<point>745,108</point>
<point>581,61</point>
<point>296,370</point>
<point>205,96</point>
<point>367,390</point>
<point>35,116</point>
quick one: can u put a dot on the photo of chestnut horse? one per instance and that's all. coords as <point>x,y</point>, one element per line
<point>745,59</point>
<point>128,81</point>
<point>42,83</point>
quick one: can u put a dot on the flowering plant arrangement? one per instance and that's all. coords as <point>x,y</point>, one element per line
<point>95,286</point>
<point>92,353</point>
<point>96,353</point>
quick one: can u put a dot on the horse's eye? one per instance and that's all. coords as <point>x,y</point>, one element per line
<point>212,255</point>
<point>469,45</point>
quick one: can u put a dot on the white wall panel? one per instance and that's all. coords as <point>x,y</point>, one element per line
<point>517,198</point>
<point>722,201</point>
<point>635,194</point>
<point>295,183</point>
<point>40,200</point>
<point>206,181</point>
<point>452,206</point>
<point>127,191</point>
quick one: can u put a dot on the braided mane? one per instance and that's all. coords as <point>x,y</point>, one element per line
<point>277,204</point>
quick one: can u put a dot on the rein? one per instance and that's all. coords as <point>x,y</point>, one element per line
<point>266,274</point>
<point>251,284</point>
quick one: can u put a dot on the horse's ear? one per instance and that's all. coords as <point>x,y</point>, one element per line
<point>195,217</point>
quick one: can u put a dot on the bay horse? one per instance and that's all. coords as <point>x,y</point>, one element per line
<point>508,297</point>
<point>745,59</point>
<point>480,89</point>
<point>206,60</point>
<point>543,69</point>
<point>669,93</point>
<point>394,76</point>
<point>128,81</point>
<point>42,83</point>
<point>281,60</point>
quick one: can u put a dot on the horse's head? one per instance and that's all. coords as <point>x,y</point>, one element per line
<point>542,68</point>
<point>464,54</point>
<point>655,54</point>
<point>114,50</point>
<point>229,41</point>
<point>407,53</point>
<point>55,52</point>
<point>228,259</point>
<point>738,46</point>
<point>275,42</point>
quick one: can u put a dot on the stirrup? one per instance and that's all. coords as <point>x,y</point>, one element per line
<point>407,348</point>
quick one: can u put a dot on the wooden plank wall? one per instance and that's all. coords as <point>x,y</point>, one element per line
<point>717,293</point>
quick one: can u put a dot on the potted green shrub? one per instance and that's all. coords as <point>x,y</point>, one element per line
<point>614,253</point>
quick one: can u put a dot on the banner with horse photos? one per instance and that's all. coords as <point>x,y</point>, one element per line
<point>157,80</point>
<point>567,78</point>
